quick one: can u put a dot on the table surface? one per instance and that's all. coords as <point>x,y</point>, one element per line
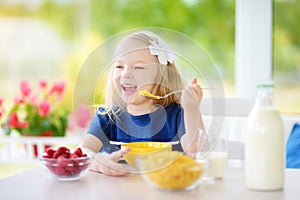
<point>36,184</point>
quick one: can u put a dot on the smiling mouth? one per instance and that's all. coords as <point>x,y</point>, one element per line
<point>129,88</point>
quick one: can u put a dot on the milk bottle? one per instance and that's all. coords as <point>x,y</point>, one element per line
<point>264,151</point>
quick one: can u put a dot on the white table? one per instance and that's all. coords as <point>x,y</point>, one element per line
<point>36,184</point>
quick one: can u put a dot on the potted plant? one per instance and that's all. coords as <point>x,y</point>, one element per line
<point>37,112</point>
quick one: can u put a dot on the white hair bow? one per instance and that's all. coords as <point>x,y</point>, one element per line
<point>163,54</point>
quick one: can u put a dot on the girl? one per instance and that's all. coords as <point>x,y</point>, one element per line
<point>142,61</point>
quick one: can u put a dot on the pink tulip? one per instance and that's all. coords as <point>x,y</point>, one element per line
<point>83,116</point>
<point>59,89</point>
<point>2,110</point>
<point>15,123</point>
<point>25,88</point>
<point>43,84</point>
<point>19,100</point>
<point>44,108</point>
<point>14,120</point>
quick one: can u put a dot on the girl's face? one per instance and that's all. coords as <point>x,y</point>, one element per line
<point>134,72</point>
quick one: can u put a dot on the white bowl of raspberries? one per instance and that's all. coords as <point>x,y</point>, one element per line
<point>62,164</point>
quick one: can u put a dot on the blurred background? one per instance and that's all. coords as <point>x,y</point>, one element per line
<point>50,39</point>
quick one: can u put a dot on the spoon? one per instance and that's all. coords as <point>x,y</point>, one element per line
<point>146,94</point>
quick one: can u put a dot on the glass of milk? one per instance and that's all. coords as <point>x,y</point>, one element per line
<point>214,147</point>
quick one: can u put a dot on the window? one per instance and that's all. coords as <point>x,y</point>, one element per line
<point>286,59</point>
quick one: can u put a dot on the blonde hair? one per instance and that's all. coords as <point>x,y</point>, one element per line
<point>168,78</point>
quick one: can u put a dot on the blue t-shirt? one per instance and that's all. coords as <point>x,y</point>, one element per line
<point>166,124</point>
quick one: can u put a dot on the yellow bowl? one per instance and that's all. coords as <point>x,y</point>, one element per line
<point>142,149</point>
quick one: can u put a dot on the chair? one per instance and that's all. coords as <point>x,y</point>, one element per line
<point>25,150</point>
<point>228,115</point>
<point>218,106</point>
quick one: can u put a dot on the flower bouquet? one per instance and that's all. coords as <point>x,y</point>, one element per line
<point>37,113</point>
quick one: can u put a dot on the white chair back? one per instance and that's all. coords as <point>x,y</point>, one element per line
<point>228,115</point>
<point>229,107</point>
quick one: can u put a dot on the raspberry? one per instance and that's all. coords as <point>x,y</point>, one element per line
<point>62,161</point>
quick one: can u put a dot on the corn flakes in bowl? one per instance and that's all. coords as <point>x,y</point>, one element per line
<point>171,170</point>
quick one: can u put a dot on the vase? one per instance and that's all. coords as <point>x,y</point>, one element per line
<point>35,146</point>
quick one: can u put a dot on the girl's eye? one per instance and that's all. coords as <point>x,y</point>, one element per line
<point>139,67</point>
<point>119,67</point>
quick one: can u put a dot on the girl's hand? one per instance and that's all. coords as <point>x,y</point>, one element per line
<point>191,96</point>
<point>190,100</point>
<point>108,163</point>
